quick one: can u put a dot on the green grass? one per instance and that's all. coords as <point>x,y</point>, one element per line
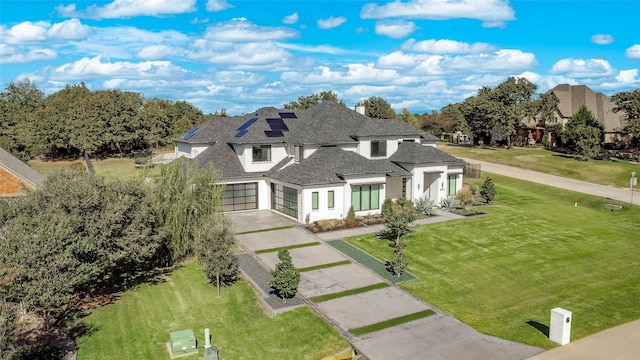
<point>264,230</point>
<point>297,246</point>
<point>109,168</point>
<point>350,292</point>
<point>324,266</point>
<point>391,322</point>
<point>605,172</point>
<point>138,325</point>
<point>534,252</point>
<point>372,262</point>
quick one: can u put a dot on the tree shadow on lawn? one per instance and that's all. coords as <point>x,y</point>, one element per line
<point>540,327</point>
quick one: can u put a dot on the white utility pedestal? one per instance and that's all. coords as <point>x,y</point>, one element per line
<point>207,339</point>
<point>560,329</point>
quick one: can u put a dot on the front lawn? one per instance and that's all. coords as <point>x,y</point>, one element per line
<point>606,172</point>
<point>138,325</point>
<point>503,273</point>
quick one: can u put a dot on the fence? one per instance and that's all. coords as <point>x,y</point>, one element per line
<point>472,171</point>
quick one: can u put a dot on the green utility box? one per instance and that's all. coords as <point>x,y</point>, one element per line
<point>183,342</point>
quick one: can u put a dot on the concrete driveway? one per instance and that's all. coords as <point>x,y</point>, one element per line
<point>435,337</point>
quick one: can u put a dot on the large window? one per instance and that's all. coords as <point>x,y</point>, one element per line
<point>451,186</point>
<point>314,200</point>
<point>261,153</point>
<point>378,148</point>
<point>284,199</point>
<point>365,197</point>
<point>330,199</point>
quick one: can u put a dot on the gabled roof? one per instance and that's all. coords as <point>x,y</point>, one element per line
<point>225,161</point>
<point>329,165</point>
<point>414,153</point>
<point>19,169</point>
<point>572,97</point>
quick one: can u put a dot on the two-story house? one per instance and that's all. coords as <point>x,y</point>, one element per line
<point>314,164</point>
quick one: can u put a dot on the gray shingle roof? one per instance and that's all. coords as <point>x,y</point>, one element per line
<point>225,161</point>
<point>19,169</point>
<point>327,123</point>
<point>572,97</point>
<point>329,165</point>
<point>414,153</point>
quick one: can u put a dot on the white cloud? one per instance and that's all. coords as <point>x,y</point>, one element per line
<point>633,52</point>
<point>264,54</point>
<point>331,22</point>
<point>14,55</point>
<point>291,19</point>
<point>347,74</point>
<point>492,12</point>
<point>70,30</point>
<point>241,30</point>
<point>96,68</point>
<point>322,49</point>
<point>602,39</point>
<point>395,28</point>
<point>217,5</point>
<point>129,8</point>
<point>445,46</point>
<point>157,52</point>
<point>581,68</point>
<point>624,79</point>
<point>24,33</point>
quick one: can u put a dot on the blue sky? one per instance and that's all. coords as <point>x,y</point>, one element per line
<point>242,55</point>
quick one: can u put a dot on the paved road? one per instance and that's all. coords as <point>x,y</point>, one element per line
<point>611,192</point>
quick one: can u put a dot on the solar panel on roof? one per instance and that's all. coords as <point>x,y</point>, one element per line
<point>273,133</point>
<point>190,133</point>
<point>247,124</point>
<point>288,115</point>
<point>241,132</point>
<point>277,124</point>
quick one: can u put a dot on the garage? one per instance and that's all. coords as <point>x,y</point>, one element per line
<point>242,196</point>
<point>285,200</point>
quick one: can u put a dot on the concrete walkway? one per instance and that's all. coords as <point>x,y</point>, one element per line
<point>439,336</point>
<point>611,192</point>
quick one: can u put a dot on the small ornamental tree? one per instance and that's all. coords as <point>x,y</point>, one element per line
<point>351,216</point>
<point>488,191</point>
<point>397,220</point>
<point>399,264</point>
<point>285,276</point>
<point>216,251</point>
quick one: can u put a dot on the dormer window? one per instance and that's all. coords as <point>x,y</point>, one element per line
<point>378,148</point>
<point>261,153</point>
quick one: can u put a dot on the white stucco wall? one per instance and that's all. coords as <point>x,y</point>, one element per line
<point>323,212</point>
<point>382,194</point>
<point>189,150</point>
<point>245,155</point>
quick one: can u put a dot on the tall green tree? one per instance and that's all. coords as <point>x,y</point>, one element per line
<point>285,276</point>
<point>186,196</point>
<point>398,217</point>
<point>306,102</point>
<point>19,106</point>
<point>216,251</point>
<point>513,102</point>
<point>407,117</point>
<point>377,108</point>
<point>629,103</point>
<point>436,123</point>
<point>480,117</point>
<point>583,133</point>
<point>488,191</point>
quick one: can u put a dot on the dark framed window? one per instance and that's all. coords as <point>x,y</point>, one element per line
<point>261,153</point>
<point>314,200</point>
<point>284,199</point>
<point>378,148</point>
<point>365,197</point>
<point>331,199</point>
<point>404,187</point>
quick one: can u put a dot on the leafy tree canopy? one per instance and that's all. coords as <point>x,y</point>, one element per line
<point>305,102</point>
<point>378,108</point>
<point>583,133</point>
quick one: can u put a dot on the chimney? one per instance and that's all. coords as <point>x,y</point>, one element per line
<point>360,109</point>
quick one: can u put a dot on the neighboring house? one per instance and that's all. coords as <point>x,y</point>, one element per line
<point>16,177</point>
<point>572,97</point>
<point>314,164</point>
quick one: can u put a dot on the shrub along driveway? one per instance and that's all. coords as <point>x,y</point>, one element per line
<point>438,336</point>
